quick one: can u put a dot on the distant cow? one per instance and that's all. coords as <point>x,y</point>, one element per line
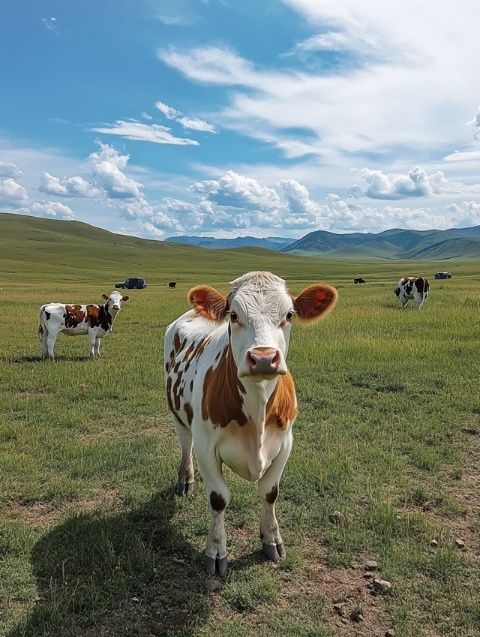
<point>412,287</point>
<point>230,392</point>
<point>172,284</point>
<point>359,280</point>
<point>75,320</point>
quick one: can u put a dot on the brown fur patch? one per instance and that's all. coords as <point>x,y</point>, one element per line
<point>74,315</point>
<point>272,494</point>
<point>189,412</point>
<point>217,501</point>
<point>315,302</point>
<point>222,401</point>
<point>97,317</point>
<point>208,302</point>
<point>281,406</point>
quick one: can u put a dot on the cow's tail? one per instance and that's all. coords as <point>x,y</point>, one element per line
<point>42,328</point>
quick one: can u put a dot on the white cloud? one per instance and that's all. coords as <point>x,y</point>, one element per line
<point>475,124</point>
<point>191,123</point>
<point>50,24</point>
<point>50,209</point>
<point>469,155</point>
<point>237,191</point>
<point>107,166</point>
<point>9,169</point>
<point>144,132</point>
<point>416,183</point>
<point>67,186</point>
<point>12,193</point>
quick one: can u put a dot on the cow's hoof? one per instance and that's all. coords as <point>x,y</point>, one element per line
<point>215,565</point>
<point>271,552</point>
<point>184,488</point>
<point>281,549</point>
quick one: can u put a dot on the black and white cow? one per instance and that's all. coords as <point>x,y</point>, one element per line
<point>75,320</point>
<point>412,287</point>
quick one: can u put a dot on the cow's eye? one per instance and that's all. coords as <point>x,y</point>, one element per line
<point>289,316</point>
<point>234,317</point>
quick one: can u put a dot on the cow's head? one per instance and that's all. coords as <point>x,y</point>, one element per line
<point>114,301</point>
<point>260,312</point>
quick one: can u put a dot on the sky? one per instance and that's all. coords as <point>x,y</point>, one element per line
<point>228,118</point>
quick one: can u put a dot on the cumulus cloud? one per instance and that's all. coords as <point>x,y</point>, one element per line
<point>237,191</point>
<point>9,169</point>
<point>416,183</point>
<point>50,209</point>
<point>144,132</point>
<point>191,123</point>
<point>475,124</point>
<point>67,186</point>
<point>107,167</point>
<point>12,193</point>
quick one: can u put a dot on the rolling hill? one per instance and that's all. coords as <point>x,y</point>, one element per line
<point>461,243</point>
<point>270,243</point>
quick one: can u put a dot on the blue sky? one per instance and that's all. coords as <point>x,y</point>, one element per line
<point>226,118</point>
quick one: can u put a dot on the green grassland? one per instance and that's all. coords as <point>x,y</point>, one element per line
<point>93,542</point>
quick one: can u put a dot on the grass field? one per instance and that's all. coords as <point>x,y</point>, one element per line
<point>93,541</point>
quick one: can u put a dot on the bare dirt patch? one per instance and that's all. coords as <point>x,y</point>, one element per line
<point>42,513</point>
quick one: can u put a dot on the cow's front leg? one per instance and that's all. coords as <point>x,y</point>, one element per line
<point>218,497</point>
<point>268,487</point>
<point>98,341</point>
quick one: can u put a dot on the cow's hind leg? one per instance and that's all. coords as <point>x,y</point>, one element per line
<point>42,337</point>
<point>218,496</point>
<point>268,486</point>
<point>50,345</point>
<point>186,476</point>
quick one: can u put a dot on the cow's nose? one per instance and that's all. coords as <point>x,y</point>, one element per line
<point>115,307</point>
<point>263,360</point>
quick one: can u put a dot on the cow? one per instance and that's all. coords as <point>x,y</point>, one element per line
<point>75,320</point>
<point>412,287</point>
<point>172,284</point>
<point>359,280</point>
<point>232,396</point>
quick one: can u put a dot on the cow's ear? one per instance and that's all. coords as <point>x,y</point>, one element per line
<point>125,298</point>
<point>104,296</point>
<point>315,301</point>
<point>208,302</point>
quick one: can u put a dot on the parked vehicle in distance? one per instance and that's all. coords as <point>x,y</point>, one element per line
<point>132,283</point>
<point>443,275</point>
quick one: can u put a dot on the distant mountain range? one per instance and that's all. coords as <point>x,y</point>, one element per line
<point>271,243</point>
<point>390,244</point>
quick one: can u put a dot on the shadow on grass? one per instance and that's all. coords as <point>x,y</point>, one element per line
<point>40,359</point>
<point>128,574</point>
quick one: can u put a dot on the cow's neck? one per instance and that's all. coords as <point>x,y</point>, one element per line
<point>110,316</point>
<point>256,400</point>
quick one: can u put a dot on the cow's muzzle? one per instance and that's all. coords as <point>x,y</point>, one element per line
<point>264,361</point>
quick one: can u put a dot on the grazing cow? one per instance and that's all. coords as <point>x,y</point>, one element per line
<point>359,280</point>
<point>230,392</point>
<point>172,284</point>
<point>74,320</point>
<point>412,287</point>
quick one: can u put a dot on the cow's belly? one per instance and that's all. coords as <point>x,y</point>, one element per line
<point>239,448</point>
<point>75,331</point>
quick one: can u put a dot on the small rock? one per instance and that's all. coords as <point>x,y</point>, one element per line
<point>135,599</point>
<point>368,575</point>
<point>382,585</point>
<point>178,560</point>
<point>434,543</point>
<point>340,609</point>
<point>356,616</point>
<point>336,517</point>
<point>371,565</point>
<point>460,543</point>
<point>214,585</point>
<point>390,633</point>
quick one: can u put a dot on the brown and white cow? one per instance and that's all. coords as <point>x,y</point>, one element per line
<point>231,394</point>
<point>412,287</point>
<point>75,320</point>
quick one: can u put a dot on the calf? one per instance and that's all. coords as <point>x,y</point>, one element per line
<point>172,284</point>
<point>412,287</point>
<point>231,394</point>
<point>74,320</point>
